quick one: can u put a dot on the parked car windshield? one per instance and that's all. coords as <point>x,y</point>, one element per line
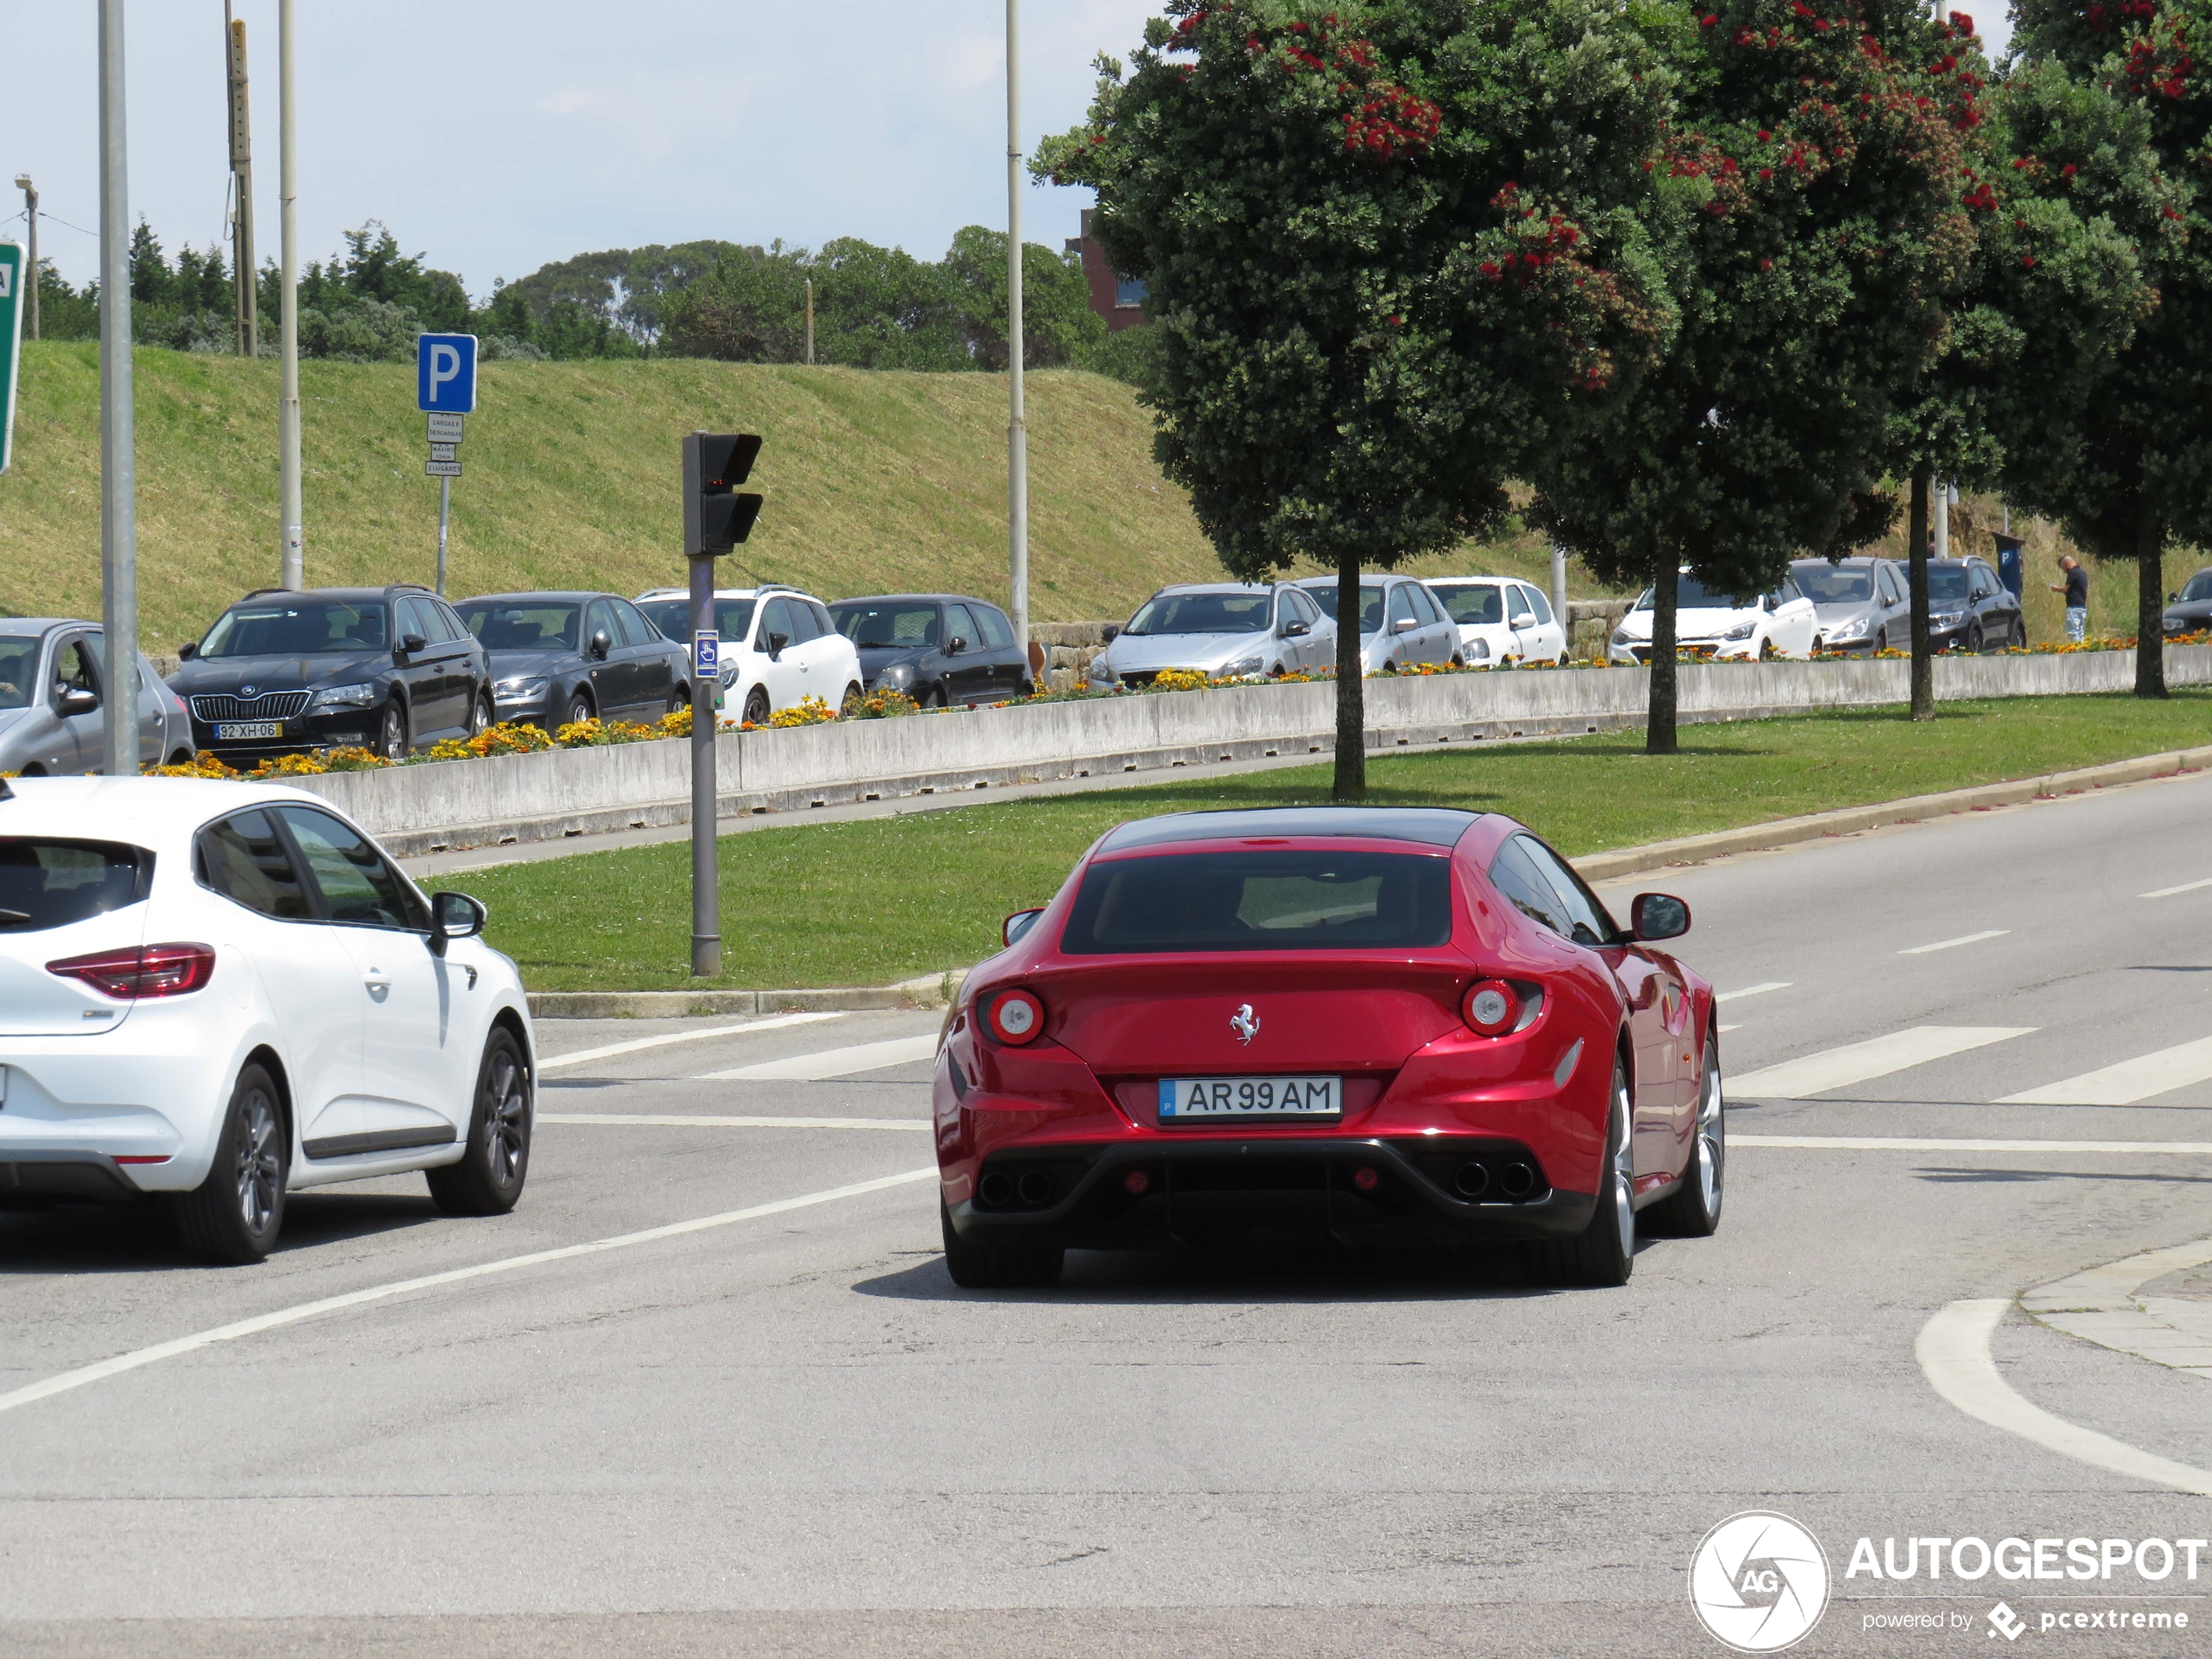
<point>1330,900</point>
<point>295,628</point>
<point>1478,601</point>
<point>1825,584</point>
<point>2200,587</point>
<point>887,627</point>
<point>54,884</point>
<point>1370,604</point>
<point>524,627</point>
<point>1203,613</point>
<point>18,668</point>
<point>1690,594</point>
<point>733,617</point>
<point>1946,582</point>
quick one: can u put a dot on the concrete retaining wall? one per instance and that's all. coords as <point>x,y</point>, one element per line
<point>431,808</point>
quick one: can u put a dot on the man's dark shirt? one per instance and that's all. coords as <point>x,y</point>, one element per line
<point>2077,589</point>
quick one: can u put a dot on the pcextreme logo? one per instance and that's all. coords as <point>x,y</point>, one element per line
<point>1758,1583</point>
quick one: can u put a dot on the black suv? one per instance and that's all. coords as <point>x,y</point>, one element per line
<point>937,647</point>
<point>384,668</point>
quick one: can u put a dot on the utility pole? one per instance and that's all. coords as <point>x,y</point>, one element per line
<point>290,555</point>
<point>810,322</point>
<point>249,320</point>
<point>30,218</point>
<point>1017,434</point>
<point>119,491</point>
<point>1939,519</point>
<point>1559,595</point>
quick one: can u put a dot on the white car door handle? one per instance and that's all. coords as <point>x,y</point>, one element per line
<point>376,979</point>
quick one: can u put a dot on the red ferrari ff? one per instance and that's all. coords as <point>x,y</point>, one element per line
<point>1394,1025</point>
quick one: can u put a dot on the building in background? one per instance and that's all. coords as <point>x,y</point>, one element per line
<point>1118,299</point>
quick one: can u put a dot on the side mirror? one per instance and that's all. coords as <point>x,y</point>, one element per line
<point>1658,915</point>
<point>455,915</point>
<point>956,644</point>
<point>601,644</point>
<point>775,644</point>
<point>1523,619</point>
<point>2172,597</point>
<point>410,644</point>
<point>1019,923</point>
<point>189,649</point>
<point>1296,630</point>
<point>74,699</point>
<point>1404,625</point>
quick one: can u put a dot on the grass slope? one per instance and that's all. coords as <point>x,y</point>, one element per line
<point>887,898</point>
<point>874,482</point>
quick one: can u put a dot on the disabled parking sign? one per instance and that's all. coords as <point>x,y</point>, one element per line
<point>445,373</point>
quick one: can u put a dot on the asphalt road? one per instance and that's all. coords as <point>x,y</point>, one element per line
<point>787,1432</point>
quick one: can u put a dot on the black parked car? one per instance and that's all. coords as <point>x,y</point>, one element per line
<point>384,668</point>
<point>2189,611</point>
<point>938,648</point>
<point>1970,610</point>
<point>557,657</point>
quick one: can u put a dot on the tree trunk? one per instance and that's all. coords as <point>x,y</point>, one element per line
<point>2150,607</point>
<point>1916,531</point>
<point>1659,721</point>
<point>1351,710</point>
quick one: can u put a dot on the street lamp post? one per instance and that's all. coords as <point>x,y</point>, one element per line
<point>290,555</point>
<point>30,219</point>
<point>118,493</point>
<point>1017,458</point>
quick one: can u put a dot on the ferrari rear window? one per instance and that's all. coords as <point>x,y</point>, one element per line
<point>56,884</point>
<point>1262,900</point>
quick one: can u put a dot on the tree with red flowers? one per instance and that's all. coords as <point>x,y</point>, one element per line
<point>1811,211</point>
<point>1391,246</point>
<point>2142,478</point>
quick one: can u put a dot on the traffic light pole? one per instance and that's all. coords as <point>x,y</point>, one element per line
<point>118,486</point>
<point>707,876</point>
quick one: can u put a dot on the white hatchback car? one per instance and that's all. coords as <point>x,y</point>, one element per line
<point>1500,620</point>
<point>779,647</point>
<point>225,992</point>
<point>1709,622</point>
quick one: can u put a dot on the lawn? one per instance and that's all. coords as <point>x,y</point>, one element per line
<point>887,898</point>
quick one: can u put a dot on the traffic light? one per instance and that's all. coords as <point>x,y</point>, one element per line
<point>716,516</point>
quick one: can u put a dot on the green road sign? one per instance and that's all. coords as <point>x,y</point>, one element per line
<point>12,303</point>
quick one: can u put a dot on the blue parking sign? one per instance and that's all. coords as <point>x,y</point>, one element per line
<point>445,372</point>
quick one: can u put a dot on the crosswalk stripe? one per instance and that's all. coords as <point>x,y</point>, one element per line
<point>2167,893</point>
<point>832,1062</point>
<point>2127,1083</point>
<point>1948,944</point>
<point>685,1120</point>
<point>1857,1062</point>
<point>1754,990</point>
<point>1909,1144</point>
<point>546,1063</point>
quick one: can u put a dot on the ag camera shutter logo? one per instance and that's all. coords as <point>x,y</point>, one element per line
<point>1758,1583</point>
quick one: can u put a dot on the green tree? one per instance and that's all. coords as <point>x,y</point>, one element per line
<point>1808,201</point>
<point>1058,325</point>
<point>1386,243</point>
<point>151,278</point>
<point>2142,478</point>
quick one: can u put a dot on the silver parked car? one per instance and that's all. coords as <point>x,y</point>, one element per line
<point>53,683</point>
<point>1859,604</point>
<point>1226,629</point>
<point>1401,623</point>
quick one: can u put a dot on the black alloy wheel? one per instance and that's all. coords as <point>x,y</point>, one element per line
<point>1973,638</point>
<point>488,1178</point>
<point>933,697</point>
<point>391,732</point>
<point>480,715</point>
<point>756,706</point>
<point>849,704</point>
<point>233,1217</point>
<point>998,1267</point>
<point>579,708</point>
<point>679,701</point>
<point>1603,1255</point>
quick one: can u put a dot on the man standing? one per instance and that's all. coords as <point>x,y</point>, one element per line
<point>2076,588</point>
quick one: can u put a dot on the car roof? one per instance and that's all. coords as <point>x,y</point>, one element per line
<point>1367,579</point>
<point>1429,826</point>
<point>914,598</point>
<point>1849,558</point>
<point>146,812</point>
<point>566,595</point>
<point>39,624</point>
<point>1218,587</point>
<point>726,593</point>
<point>1458,581</point>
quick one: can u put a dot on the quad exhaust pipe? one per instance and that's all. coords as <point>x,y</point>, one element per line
<point>1515,1180</point>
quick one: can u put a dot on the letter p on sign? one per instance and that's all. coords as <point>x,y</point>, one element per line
<point>445,372</point>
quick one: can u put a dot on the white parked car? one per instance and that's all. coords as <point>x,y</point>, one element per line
<point>1711,624</point>
<point>1502,621</point>
<point>225,992</point>
<point>1400,622</point>
<point>778,648</point>
<point>1228,630</point>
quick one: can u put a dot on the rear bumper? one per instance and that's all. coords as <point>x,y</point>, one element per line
<point>141,1093</point>
<point>1276,1185</point>
<point>34,1178</point>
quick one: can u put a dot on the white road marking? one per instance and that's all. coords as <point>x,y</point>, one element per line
<point>832,1062</point>
<point>2186,886</point>
<point>2127,1083</point>
<point>1858,1062</point>
<point>64,1381</point>
<point>1724,1030</point>
<point>1963,939</point>
<point>632,1047</point>
<point>1954,1352</point>
<point>1904,1143</point>
<point>678,1120</point>
<point>1755,990</point>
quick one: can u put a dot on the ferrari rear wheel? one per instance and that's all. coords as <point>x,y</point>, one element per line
<point>998,1267</point>
<point>1603,1254</point>
<point>1693,1209</point>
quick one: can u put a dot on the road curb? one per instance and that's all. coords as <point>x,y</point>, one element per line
<point>935,990</point>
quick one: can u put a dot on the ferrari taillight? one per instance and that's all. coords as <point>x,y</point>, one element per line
<point>1491,1007</point>
<point>1016,1017</point>
<point>150,971</point>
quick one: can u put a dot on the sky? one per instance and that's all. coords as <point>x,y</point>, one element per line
<point>495,137</point>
